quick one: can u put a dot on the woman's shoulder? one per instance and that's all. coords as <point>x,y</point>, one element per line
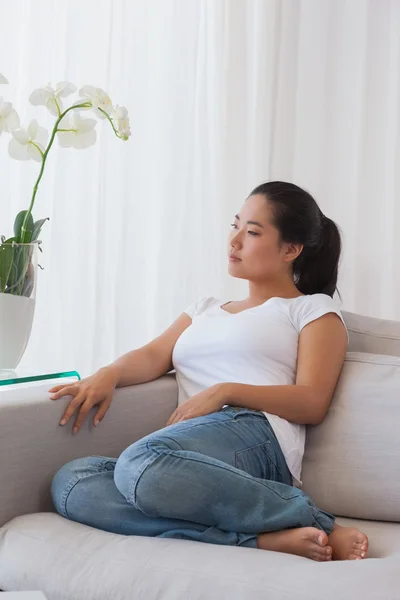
<point>308,308</point>
<point>315,300</point>
<point>201,305</point>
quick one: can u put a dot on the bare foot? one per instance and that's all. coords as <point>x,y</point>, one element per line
<point>348,543</point>
<point>305,541</point>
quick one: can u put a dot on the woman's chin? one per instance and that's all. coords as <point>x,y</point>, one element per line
<point>235,270</point>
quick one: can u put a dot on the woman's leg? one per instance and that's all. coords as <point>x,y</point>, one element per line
<point>225,470</point>
<point>84,491</point>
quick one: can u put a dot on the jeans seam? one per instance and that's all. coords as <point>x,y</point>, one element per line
<point>134,483</point>
<point>245,412</point>
<point>66,494</point>
<point>253,447</point>
<point>70,487</point>
<point>161,439</point>
<point>208,423</point>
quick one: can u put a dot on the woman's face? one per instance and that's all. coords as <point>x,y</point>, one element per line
<point>255,250</point>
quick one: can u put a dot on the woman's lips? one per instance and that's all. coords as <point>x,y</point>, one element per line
<point>234,259</point>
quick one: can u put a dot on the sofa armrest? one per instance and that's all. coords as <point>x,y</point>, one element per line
<point>33,446</point>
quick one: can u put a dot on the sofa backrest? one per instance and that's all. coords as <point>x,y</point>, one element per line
<point>351,464</point>
<point>376,336</point>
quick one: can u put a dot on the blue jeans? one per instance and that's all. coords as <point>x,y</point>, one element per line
<point>220,478</point>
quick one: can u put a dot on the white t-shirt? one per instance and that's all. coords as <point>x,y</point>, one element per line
<point>257,346</point>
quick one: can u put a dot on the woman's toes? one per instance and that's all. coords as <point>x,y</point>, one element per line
<point>328,553</point>
<point>361,551</point>
<point>320,556</point>
<point>324,553</point>
<point>322,538</point>
<point>361,548</point>
<point>362,539</point>
<point>348,543</point>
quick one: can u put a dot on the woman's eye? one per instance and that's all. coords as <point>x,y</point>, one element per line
<point>250,232</point>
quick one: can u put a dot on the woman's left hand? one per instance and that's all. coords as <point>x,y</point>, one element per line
<point>210,400</point>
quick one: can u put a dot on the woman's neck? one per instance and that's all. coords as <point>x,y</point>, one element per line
<point>259,293</point>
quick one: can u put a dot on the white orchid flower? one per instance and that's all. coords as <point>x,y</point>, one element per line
<point>28,143</point>
<point>51,97</point>
<point>75,132</point>
<point>99,99</point>
<point>120,118</point>
<point>9,119</point>
<point>3,79</point>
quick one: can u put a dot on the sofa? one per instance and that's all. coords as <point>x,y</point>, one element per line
<point>351,468</point>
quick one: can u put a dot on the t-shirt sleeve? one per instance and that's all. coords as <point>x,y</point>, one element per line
<point>314,307</point>
<point>197,307</point>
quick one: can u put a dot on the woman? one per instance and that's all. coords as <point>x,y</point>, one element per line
<point>251,375</point>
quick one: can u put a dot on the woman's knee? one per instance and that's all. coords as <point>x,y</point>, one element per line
<point>128,465</point>
<point>69,475</point>
<point>62,482</point>
<point>137,459</point>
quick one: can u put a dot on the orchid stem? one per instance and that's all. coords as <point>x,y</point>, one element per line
<point>44,158</point>
<point>111,121</point>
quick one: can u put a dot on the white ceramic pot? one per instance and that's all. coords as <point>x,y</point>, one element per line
<point>16,318</point>
<point>17,304</point>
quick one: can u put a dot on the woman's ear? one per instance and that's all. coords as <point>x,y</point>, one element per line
<point>292,251</point>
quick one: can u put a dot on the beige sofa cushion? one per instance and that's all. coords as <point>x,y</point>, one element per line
<point>352,460</point>
<point>68,561</point>
<point>368,334</point>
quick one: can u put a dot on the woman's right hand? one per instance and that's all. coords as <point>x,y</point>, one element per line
<point>96,390</point>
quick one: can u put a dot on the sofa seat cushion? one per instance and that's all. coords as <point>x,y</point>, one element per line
<point>69,561</point>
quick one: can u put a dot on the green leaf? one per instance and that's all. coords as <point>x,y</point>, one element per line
<point>21,260</point>
<point>29,281</point>
<point>18,227</point>
<point>37,228</point>
<point>6,264</point>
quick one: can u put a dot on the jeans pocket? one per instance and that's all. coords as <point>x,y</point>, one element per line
<point>258,461</point>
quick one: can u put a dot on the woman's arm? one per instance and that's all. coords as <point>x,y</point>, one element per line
<point>152,360</point>
<point>321,353</point>
<point>139,366</point>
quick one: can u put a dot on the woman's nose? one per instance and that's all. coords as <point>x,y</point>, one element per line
<point>236,241</point>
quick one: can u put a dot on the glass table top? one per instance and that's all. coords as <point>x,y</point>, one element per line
<point>9,377</point>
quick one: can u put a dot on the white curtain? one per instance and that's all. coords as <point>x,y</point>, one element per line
<point>223,94</point>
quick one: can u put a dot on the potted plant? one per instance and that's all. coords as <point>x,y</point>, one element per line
<point>19,252</point>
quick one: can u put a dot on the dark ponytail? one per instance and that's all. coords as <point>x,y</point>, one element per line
<point>300,221</point>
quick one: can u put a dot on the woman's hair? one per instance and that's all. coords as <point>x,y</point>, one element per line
<point>299,220</point>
